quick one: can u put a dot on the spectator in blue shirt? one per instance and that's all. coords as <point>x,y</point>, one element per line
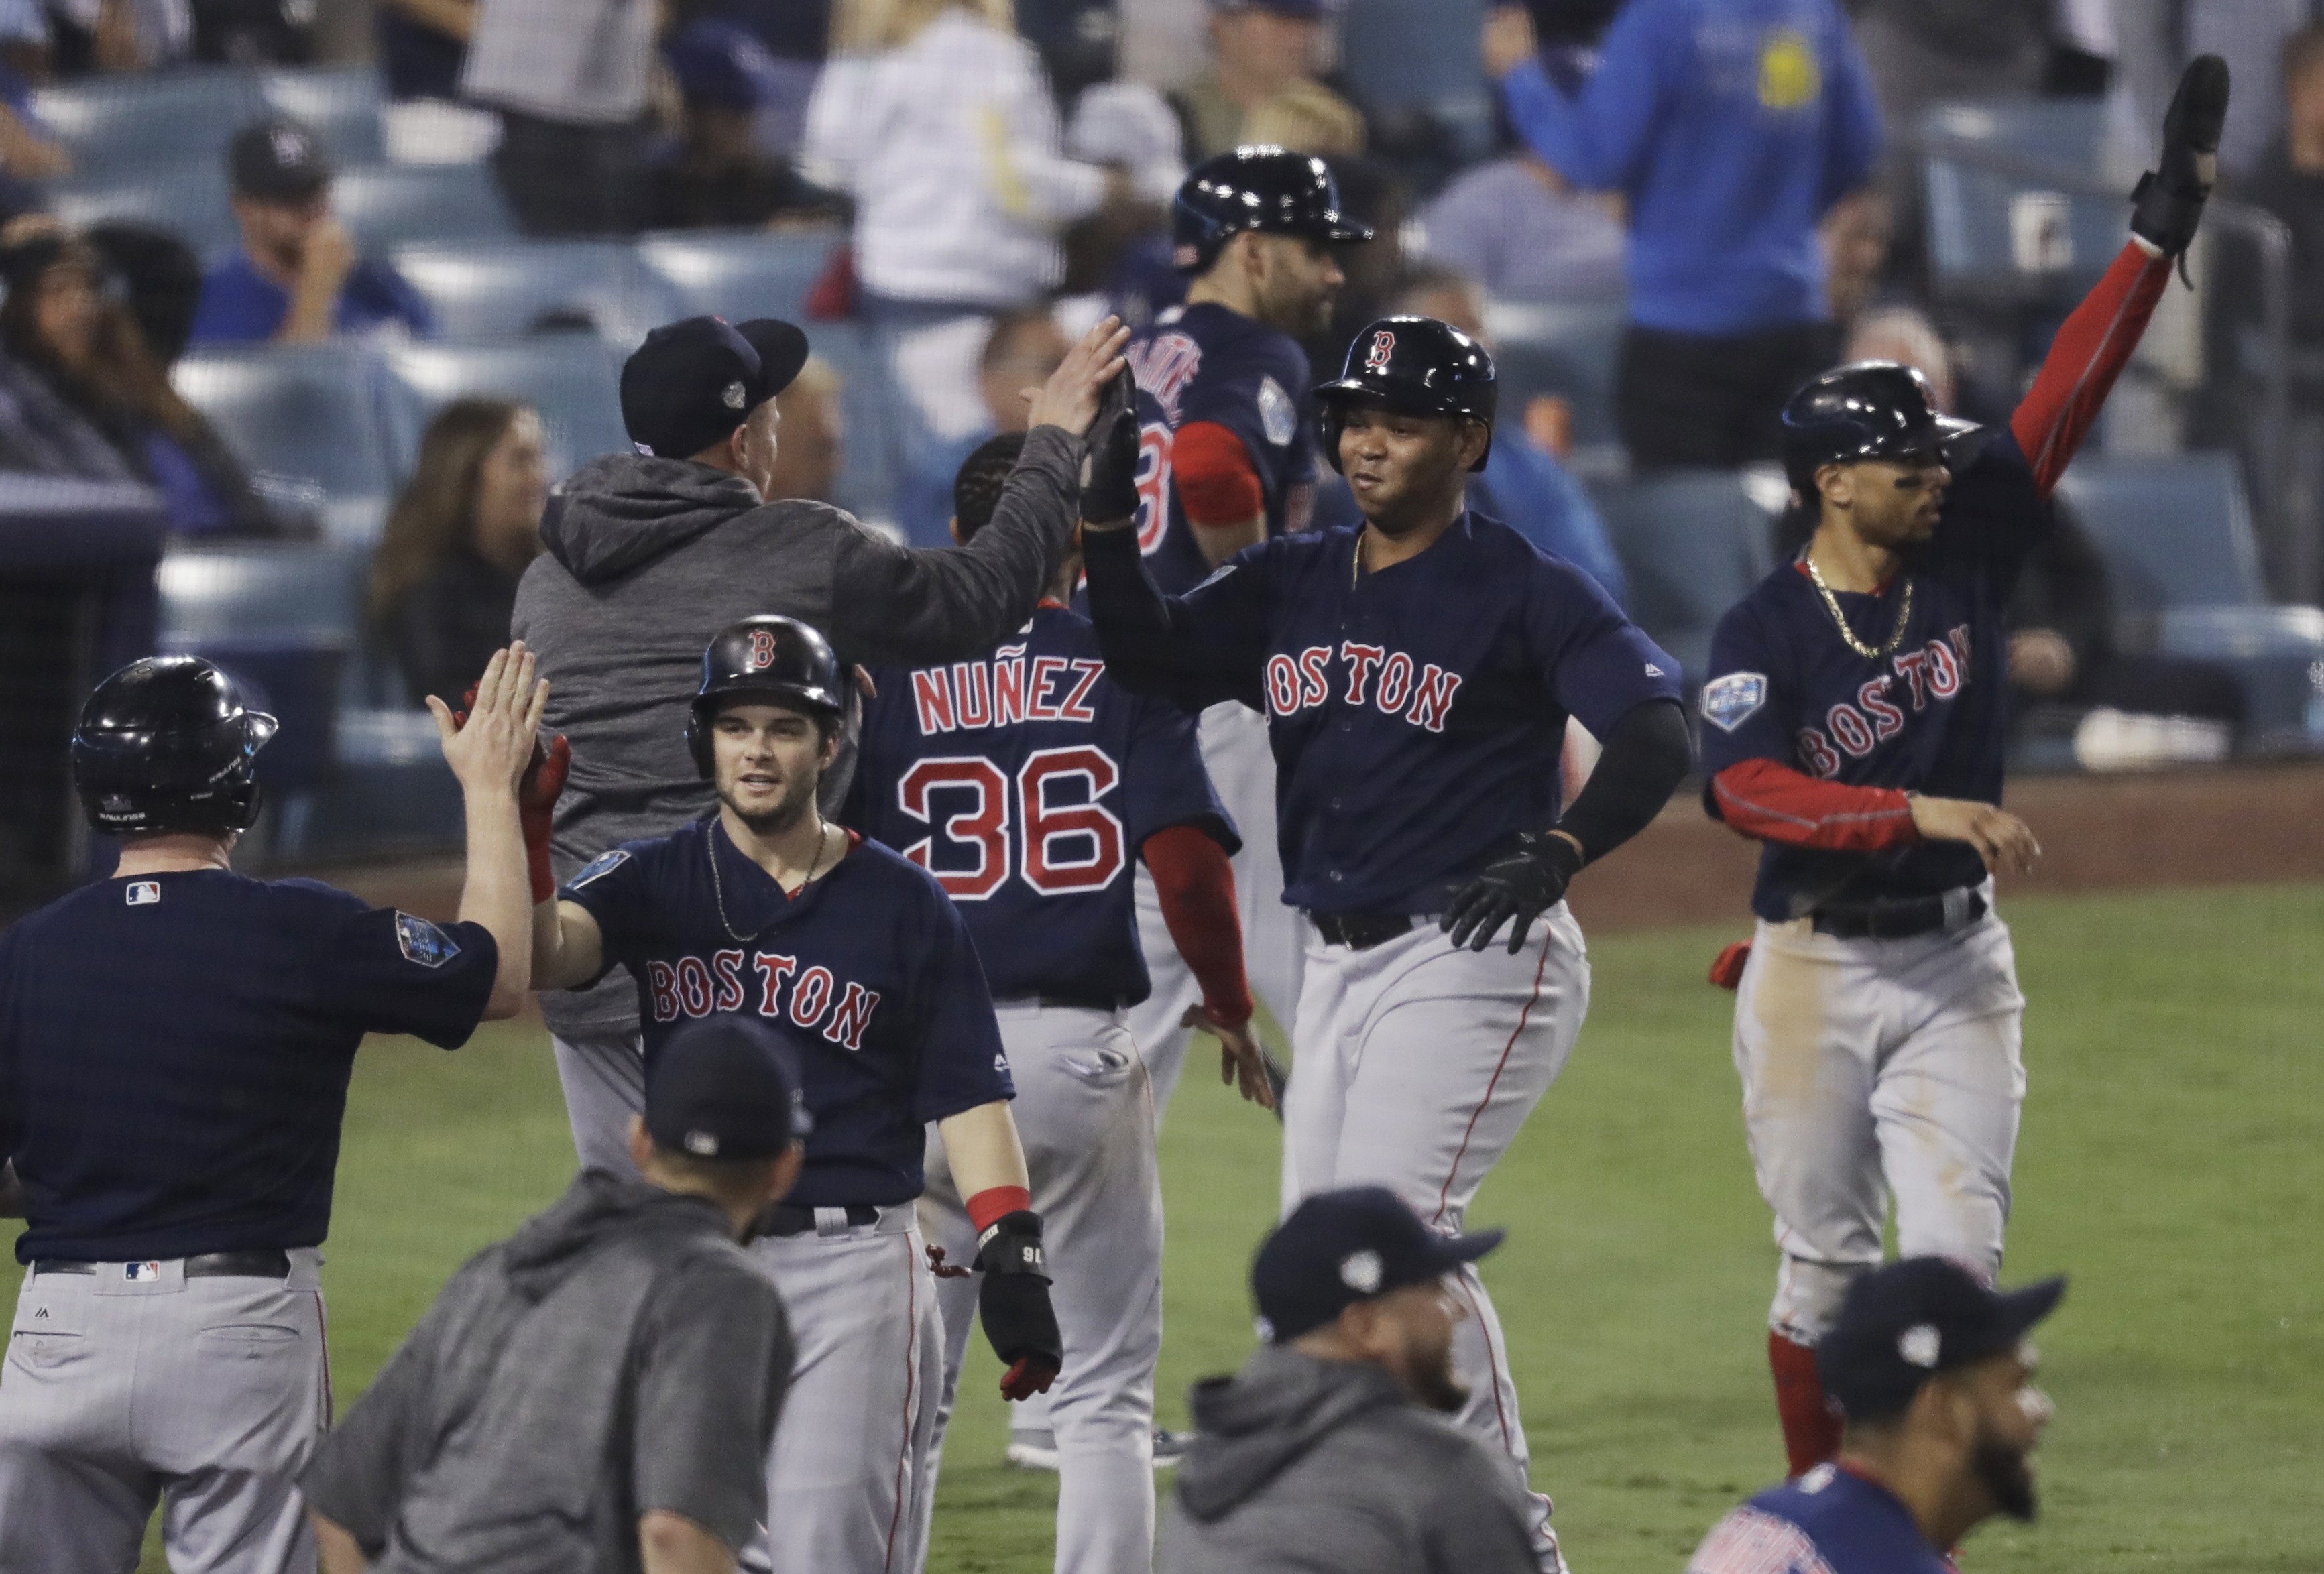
<point>297,278</point>
<point>1731,127</point>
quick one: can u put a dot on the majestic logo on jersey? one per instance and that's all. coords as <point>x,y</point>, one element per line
<point>1003,692</point>
<point>424,942</point>
<point>604,863</point>
<point>771,984</point>
<point>1278,416</point>
<point>1728,701</point>
<point>145,893</point>
<point>1383,346</point>
<point>1163,365</point>
<point>1937,671</point>
<point>1388,680</point>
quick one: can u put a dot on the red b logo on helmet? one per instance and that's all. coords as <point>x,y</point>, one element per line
<point>1383,343</point>
<point>762,649</point>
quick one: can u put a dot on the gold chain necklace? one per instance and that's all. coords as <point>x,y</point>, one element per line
<point>1831,604</point>
<point>718,889</point>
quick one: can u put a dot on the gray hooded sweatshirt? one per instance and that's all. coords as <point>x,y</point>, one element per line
<point>649,558</point>
<point>1302,1465</point>
<point>620,1353</point>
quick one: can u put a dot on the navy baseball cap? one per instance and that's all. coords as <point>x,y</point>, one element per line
<point>694,382</point>
<point>278,160</point>
<point>721,65</point>
<point>1339,1248</point>
<point>725,1087</point>
<point>1903,1324</point>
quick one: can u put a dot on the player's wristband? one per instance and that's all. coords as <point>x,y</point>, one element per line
<point>994,1203</point>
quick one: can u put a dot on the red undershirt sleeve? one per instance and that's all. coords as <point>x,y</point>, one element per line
<point>1196,885</point>
<point>1773,802</point>
<point>1214,476</point>
<point>2091,348</point>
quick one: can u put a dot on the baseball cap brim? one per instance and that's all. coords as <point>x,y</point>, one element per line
<point>2020,1309</point>
<point>1452,1251</point>
<point>782,351</point>
<point>1338,227</point>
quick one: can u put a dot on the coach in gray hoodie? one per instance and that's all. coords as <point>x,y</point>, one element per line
<point>1330,1452</point>
<point>651,553</point>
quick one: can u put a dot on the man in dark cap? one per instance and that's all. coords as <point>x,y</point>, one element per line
<point>297,278</point>
<point>597,1392</point>
<point>1934,1379</point>
<point>1333,1446</point>
<point>651,554</point>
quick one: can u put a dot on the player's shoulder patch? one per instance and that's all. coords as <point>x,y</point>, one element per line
<point>145,893</point>
<point>424,942</point>
<point>1278,415</point>
<point>597,868</point>
<point>1728,701</point>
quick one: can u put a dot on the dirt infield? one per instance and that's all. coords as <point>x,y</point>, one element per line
<point>2249,824</point>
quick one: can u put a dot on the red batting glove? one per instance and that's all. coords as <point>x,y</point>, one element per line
<point>536,803</point>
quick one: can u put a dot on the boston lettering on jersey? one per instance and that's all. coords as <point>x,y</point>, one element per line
<point>1418,712</point>
<point>868,964</point>
<point>1208,364</point>
<point>1932,717</point>
<point>1024,784</point>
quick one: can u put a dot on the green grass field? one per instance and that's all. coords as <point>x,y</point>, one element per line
<point>2171,1160</point>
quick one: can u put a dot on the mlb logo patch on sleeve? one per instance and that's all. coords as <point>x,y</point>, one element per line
<point>145,893</point>
<point>1728,701</point>
<point>604,863</point>
<point>424,942</point>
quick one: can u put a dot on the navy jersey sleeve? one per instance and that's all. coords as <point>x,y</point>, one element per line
<point>387,971</point>
<point>1749,706</point>
<point>1994,510</point>
<point>1196,649</point>
<point>961,1062</point>
<point>1257,398</point>
<point>1164,783</point>
<point>1598,663</point>
<point>616,888</point>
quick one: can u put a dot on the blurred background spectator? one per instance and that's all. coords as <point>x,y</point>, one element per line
<point>1730,144</point>
<point>1259,49</point>
<point>422,45</point>
<point>810,447</point>
<point>1855,235</point>
<point>443,580</point>
<point>717,174</point>
<point>568,79</point>
<point>1520,229</point>
<point>86,399</point>
<point>118,35</point>
<point>297,278</point>
<point>1023,348</point>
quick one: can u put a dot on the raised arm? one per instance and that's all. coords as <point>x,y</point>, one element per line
<point>489,747</point>
<point>1591,130</point>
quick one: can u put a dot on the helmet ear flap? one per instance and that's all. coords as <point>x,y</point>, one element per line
<point>697,744</point>
<point>1331,420</point>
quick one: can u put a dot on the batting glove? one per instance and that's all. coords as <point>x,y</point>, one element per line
<point>1013,1303</point>
<point>1110,467</point>
<point>1521,885</point>
<point>2169,201</point>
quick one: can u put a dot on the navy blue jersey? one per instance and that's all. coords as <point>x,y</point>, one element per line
<point>1208,364</point>
<point>1829,1521</point>
<point>1931,717</point>
<point>1026,783</point>
<point>1417,711</point>
<point>174,1053</point>
<point>869,962</point>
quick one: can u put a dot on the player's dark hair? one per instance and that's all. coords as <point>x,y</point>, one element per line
<point>976,489</point>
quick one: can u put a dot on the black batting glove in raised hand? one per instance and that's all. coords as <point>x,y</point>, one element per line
<point>1110,467</point>
<point>1013,1303</point>
<point>2168,201</point>
<point>1521,885</point>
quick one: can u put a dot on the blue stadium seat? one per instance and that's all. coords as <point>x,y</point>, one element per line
<point>497,292</point>
<point>1983,226</point>
<point>191,200</point>
<point>341,103</point>
<point>572,378</point>
<point>1403,55</point>
<point>1568,350</point>
<point>388,205</point>
<point>1694,544</point>
<point>130,125</point>
<point>2175,532</point>
<point>741,274</point>
<point>306,411</point>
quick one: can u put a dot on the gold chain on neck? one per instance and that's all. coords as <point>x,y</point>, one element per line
<point>1831,603</point>
<point>718,887</point>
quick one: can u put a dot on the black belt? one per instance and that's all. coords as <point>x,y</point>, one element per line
<point>1361,931</point>
<point>783,1219</point>
<point>254,1265</point>
<point>1900,918</point>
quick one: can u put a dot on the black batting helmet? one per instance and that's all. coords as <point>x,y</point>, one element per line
<point>1416,365</point>
<point>1272,190</point>
<point>166,744</point>
<point>765,658</point>
<point>1867,410</point>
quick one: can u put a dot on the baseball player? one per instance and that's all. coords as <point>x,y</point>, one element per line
<point>1029,785</point>
<point>1417,673</point>
<point>175,1045</point>
<point>1856,723</point>
<point>1226,459</point>
<point>766,907</point>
